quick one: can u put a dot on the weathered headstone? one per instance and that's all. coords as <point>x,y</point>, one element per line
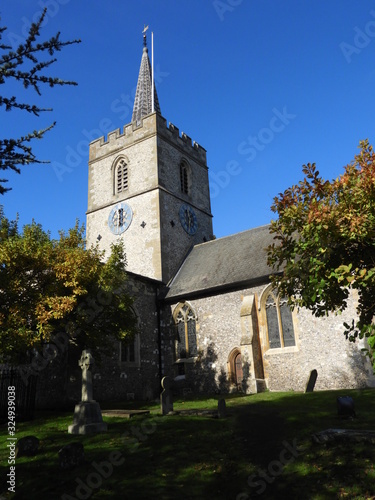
<point>312,381</point>
<point>71,455</point>
<point>221,408</point>
<point>86,363</point>
<point>166,400</point>
<point>27,446</point>
<point>345,407</point>
<point>87,418</point>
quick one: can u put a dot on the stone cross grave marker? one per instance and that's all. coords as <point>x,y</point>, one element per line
<point>312,381</point>
<point>87,418</point>
<point>166,400</point>
<point>86,363</point>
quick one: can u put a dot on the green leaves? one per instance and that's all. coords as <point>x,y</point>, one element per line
<point>325,241</point>
<point>46,285</point>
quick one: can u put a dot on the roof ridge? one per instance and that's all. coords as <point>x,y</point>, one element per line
<point>232,235</point>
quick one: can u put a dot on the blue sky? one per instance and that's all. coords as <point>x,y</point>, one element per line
<point>264,85</point>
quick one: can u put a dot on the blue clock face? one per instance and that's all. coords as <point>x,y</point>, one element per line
<point>188,219</point>
<point>120,218</point>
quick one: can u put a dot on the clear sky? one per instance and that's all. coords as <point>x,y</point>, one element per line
<point>263,85</point>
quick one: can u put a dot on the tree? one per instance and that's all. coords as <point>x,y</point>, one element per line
<point>52,286</point>
<point>25,65</point>
<point>325,242</point>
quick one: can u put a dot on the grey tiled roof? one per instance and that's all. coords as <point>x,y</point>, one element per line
<point>142,102</point>
<point>222,264</point>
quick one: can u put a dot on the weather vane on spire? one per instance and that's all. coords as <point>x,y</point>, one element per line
<point>144,35</point>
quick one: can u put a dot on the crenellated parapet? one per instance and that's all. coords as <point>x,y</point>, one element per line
<point>183,141</point>
<point>149,125</point>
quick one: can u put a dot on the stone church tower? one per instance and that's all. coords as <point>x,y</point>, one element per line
<point>148,185</point>
<point>208,316</point>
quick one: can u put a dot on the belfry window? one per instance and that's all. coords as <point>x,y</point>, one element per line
<point>279,318</point>
<point>121,176</point>
<point>186,339</point>
<point>184,178</point>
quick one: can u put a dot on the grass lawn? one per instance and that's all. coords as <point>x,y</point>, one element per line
<point>263,449</point>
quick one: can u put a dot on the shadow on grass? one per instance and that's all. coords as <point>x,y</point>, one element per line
<point>238,457</point>
<point>313,471</point>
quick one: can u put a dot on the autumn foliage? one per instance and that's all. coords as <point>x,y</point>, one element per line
<point>325,242</point>
<point>49,286</point>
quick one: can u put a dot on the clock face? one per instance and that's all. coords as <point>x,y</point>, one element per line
<point>188,219</point>
<point>120,218</point>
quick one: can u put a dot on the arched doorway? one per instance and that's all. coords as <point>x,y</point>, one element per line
<point>235,368</point>
<point>238,373</point>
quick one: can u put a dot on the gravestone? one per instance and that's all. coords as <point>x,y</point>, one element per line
<point>345,407</point>
<point>221,408</point>
<point>87,418</point>
<point>166,400</point>
<point>71,455</point>
<point>312,381</point>
<point>27,446</point>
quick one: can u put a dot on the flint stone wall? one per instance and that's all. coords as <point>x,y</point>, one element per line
<point>320,345</point>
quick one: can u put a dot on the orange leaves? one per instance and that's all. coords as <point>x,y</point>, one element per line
<point>327,230</point>
<point>46,285</point>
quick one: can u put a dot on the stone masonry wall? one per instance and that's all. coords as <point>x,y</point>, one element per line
<point>218,334</point>
<point>59,384</point>
<point>321,344</point>
<point>155,241</point>
<point>141,239</point>
<point>175,241</point>
<point>120,381</point>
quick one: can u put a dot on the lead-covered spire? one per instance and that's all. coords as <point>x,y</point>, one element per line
<point>143,96</point>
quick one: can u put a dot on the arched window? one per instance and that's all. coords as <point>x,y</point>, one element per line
<point>184,178</point>
<point>121,180</point>
<point>279,321</point>
<point>129,351</point>
<point>130,348</point>
<point>186,338</point>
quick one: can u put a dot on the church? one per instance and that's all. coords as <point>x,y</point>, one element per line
<point>207,315</point>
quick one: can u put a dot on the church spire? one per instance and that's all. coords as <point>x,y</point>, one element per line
<point>143,96</point>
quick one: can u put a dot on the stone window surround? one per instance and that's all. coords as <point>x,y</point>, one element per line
<point>267,351</point>
<point>177,309</point>
<point>115,166</point>
<point>231,369</point>
<point>137,358</point>
<point>185,177</point>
